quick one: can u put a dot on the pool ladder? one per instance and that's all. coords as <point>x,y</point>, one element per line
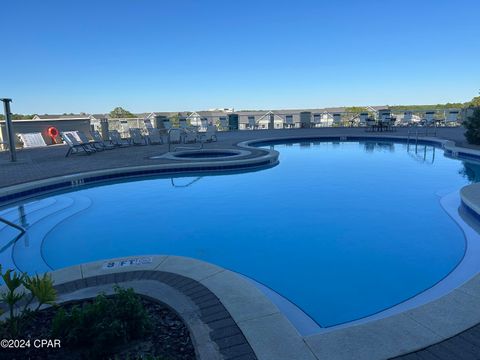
<point>417,133</point>
<point>18,227</point>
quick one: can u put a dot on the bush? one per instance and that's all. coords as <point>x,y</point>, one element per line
<point>104,324</point>
<point>472,124</point>
<point>40,289</point>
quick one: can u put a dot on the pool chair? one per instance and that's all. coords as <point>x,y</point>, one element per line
<point>210,135</point>
<point>106,145</point>
<point>154,137</point>
<point>371,124</point>
<point>85,140</point>
<point>117,140</point>
<point>136,137</point>
<point>190,136</point>
<point>74,146</point>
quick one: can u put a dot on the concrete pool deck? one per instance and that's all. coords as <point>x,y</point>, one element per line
<point>269,333</point>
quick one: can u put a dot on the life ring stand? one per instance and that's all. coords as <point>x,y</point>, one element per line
<point>53,132</point>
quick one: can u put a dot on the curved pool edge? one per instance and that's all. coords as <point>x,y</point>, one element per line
<point>40,187</point>
<point>387,337</point>
<point>269,333</point>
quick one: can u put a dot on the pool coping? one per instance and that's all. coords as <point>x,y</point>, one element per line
<point>269,331</point>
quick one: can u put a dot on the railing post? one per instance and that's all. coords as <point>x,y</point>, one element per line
<point>9,129</point>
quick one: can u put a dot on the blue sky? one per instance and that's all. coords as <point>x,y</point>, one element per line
<point>72,56</point>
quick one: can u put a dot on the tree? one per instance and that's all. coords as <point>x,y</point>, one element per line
<point>119,112</point>
<point>472,124</point>
<point>475,102</point>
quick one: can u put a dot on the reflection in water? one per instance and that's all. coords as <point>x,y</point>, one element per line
<point>370,146</point>
<point>191,182</point>
<point>470,171</point>
<point>422,153</point>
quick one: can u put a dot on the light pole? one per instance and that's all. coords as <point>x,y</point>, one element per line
<point>9,129</point>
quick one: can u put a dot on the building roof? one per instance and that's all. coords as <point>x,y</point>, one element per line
<point>62,117</point>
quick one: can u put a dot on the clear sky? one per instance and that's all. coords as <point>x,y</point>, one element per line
<point>169,55</point>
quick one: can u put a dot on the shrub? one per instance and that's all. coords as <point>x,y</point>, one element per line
<point>472,124</point>
<point>98,327</point>
<point>40,289</point>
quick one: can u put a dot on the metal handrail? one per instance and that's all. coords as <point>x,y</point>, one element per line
<point>22,230</point>
<point>9,223</point>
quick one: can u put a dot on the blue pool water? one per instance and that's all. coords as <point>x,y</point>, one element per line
<point>343,230</point>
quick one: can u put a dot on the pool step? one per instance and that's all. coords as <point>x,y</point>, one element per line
<point>25,254</point>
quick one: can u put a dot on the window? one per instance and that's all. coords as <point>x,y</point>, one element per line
<point>289,119</point>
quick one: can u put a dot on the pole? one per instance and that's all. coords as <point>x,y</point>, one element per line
<point>9,129</point>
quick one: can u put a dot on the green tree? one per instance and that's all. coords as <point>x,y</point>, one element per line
<point>119,112</point>
<point>472,124</point>
<point>475,102</point>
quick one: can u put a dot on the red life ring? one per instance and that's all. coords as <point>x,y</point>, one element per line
<point>53,133</point>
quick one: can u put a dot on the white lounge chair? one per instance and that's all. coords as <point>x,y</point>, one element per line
<point>452,118</point>
<point>190,136</point>
<point>98,138</point>
<point>289,122</point>
<point>154,136</point>
<point>117,140</point>
<point>32,140</point>
<point>136,137</point>
<point>429,118</point>
<point>74,146</point>
<point>363,119</point>
<point>210,135</point>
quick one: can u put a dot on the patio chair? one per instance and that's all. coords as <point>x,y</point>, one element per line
<point>175,136</point>
<point>224,125</point>
<point>74,146</point>
<point>210,135</point>
<point>429,119</point>
<point>190,136</point>
<point>363,119</point>
<point>106,145</point>
<point>371,124</point>
<point>32,140</point>
<point>86,141</point>
<point>117,140</point>
<point>137,137</point>
<point>289,124</point>
<point>154,137</point>
<point>452,118</point>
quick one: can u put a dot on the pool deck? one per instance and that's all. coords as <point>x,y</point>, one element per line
<point>43,163</point>
<point>447,328</point>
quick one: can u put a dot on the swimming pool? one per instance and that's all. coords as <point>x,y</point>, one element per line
<point>342,229</point>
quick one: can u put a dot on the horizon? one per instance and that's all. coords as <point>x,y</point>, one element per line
<point>184,56</point>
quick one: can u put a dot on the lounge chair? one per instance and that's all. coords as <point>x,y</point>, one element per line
<point>252,124</point>
<point>74,146</point>
<point>452,118</point>
<point>175,136</point>
<point>371,124</point>
<point>289,124</point>
<point>154,137</point>
<point>137,137</point>
<point>363,119</point>
<point>224,125</point>
<point>429,118</point>
<point>210,135</point>
<point>117,140</point>
<point>84,140</point>
<point>190,136</point>
<point>106,145</point>
<point>32,140</point>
